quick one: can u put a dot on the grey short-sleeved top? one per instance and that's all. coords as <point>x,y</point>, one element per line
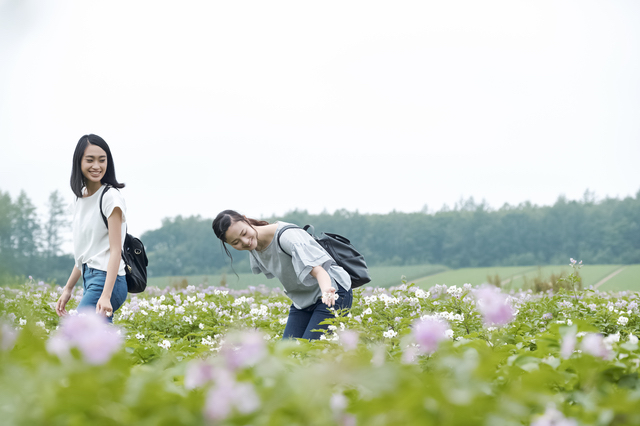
<point>294,272</point>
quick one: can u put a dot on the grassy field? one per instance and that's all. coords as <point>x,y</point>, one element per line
<point>512,277</point>
<point>516,277</point>
<point>627,279</point>
<point>381,276</point>
<point>474,276</point>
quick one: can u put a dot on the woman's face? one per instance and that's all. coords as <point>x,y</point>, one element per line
<point>241,236</point>
<point>93,164</point>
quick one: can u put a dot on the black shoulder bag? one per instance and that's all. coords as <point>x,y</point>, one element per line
<point>134,256</point>
<point>341,250</point>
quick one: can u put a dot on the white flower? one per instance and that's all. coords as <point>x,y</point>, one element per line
<point>633,339</point>
<point>370,299</point>
<point>201,325</point>
<point>143,312</point>
<point>208,341</point>
<point>453,290</point>
<point>449,333</point>
<point>165,344</point>
<point>367,311</point>
<point>623,321</point>
<point>569,322</point>
<point>40,324</point>
<point>283,321</point>
<point>390,334</point>
<point>139,336</point>
<point>23,321</point>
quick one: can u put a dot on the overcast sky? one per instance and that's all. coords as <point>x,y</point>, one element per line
<point>265,107</point>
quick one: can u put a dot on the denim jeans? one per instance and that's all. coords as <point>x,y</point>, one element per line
<point>302,321</point>
<point>93,284</point>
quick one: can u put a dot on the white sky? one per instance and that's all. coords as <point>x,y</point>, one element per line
<point>265,106</point>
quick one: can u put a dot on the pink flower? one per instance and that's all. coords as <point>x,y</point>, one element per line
<point>593,344</point>
<point>428,332</point>
<point>494,306</point>
<point>568,344</point>
<point>349,339</point>
<point>7,337</point>
<point>553,417</point>
<point>90,333</point>
<point>227,395</point>
<point>198,374</point>
<point>244,349</point>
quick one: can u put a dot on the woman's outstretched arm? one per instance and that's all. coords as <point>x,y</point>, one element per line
<point>324,280</point>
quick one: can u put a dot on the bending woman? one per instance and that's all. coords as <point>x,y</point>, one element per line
<point>97,250</point>
<point>310,277</point>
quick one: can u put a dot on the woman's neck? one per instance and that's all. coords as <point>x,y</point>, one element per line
<point>92,188</point>
<point>265,235</point>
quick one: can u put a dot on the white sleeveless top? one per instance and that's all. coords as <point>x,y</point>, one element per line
<point>90,235</point>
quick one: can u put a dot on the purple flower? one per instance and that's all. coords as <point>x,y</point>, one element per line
<point>593,344</point>
<point>429,332</point>
<point>90,333</point>
<point>547,316</point>
<point>494,306</point>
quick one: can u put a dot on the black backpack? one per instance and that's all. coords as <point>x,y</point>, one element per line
<point>341,250</point>
<point>134,256</point>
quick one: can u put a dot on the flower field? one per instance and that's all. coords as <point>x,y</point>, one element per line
<point>454,355</point>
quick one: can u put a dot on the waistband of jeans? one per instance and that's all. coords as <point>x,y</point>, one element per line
<point>86,269</point>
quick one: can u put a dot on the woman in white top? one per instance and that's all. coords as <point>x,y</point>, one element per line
<point>310,277</point>
<point>97,250</point>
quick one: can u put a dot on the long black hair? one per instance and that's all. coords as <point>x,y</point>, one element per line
<point>224,220</point>
<point>77,178</point>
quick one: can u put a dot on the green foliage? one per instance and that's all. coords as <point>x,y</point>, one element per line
<point>510,375</point>
<point>29,248</point>
<point>470,235</point>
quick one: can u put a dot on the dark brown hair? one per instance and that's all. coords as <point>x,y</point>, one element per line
<point>78,179</point>
<point>224,220</point>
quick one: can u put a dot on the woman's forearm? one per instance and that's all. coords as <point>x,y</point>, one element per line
<point>73,278</point>
<point>115,250</point>
<point>324,280</point>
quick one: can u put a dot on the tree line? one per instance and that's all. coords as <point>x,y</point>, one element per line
<point>30,246</point>
<point>468,235</point>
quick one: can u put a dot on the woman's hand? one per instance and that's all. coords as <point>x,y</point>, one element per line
<point>62,302</point>
<point>329,296</point>
<point>103,307</point>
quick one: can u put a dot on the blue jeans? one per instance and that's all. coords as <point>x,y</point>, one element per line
<point>302,321</point>
<point>93,284</point>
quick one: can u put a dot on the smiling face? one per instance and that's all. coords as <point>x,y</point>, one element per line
<point>241,236</point>
<point>93,165</point>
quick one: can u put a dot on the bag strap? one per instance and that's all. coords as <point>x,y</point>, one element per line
<point>280,233</point>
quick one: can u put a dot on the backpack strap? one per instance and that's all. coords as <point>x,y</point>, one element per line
<point>280,233</point>
<point>104,218</point>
